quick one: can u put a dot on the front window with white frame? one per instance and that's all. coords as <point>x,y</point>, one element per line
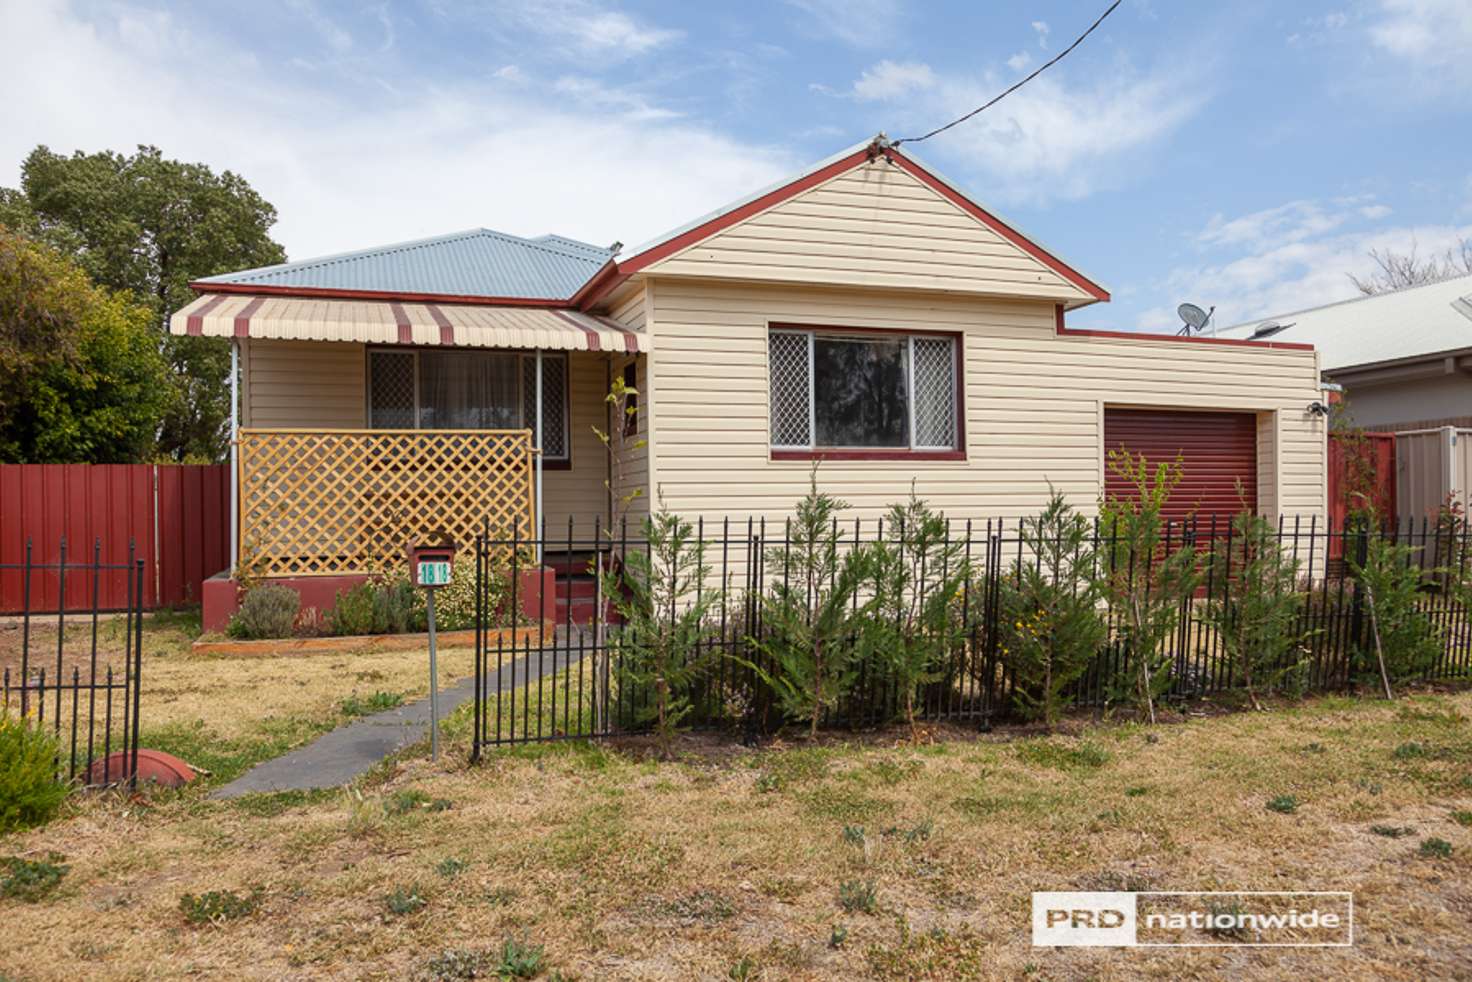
<point>468,390</point>
<point>862,391</point>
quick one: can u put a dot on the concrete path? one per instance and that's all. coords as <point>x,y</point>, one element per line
<point>336,758</point>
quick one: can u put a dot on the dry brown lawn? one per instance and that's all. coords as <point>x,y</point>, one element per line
<point>728,863</point>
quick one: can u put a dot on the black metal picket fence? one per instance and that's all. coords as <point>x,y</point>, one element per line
<point>572,680</point>
<point>77,672</point>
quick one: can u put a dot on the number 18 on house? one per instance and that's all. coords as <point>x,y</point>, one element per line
<point>432,566</point>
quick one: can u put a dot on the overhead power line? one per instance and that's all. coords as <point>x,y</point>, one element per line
<point>1016,85</point>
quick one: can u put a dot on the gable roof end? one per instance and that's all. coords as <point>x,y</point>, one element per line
<point>685,236</point>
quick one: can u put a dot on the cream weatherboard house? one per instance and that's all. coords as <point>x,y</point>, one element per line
<point>866,314</point>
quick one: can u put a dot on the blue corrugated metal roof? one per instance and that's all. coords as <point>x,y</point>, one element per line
<point>478,263</point>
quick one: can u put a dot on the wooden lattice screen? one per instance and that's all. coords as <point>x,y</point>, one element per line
<point>319,502</point>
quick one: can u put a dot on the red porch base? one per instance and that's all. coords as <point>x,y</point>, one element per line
<point>221,594</point>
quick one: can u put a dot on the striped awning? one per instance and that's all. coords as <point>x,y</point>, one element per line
<point>228,315</point>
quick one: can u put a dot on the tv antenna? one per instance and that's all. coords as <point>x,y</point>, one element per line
<point>1196,319</point>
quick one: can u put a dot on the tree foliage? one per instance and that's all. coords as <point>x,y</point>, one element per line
<point>150,225</point>
<point>811,613</point>
<point>81,379</point>
<point>1050,623</point>
<point>1145,578</point>
<point>914,623</point>
<point>665,598</point>
<point>1257,611</point>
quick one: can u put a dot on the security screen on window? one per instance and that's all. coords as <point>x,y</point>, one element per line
<point>886,392</point>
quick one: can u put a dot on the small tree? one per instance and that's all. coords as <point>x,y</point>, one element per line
<point>917,573</point>
<point>1257,615</point>
<point>664,596</point>
<point>1051,624</point>
<point>1145,580</point>
<point>1405,641</point>
<point>810,614</point>
<point>620,440</point>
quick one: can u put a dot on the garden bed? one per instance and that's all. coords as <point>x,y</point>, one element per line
<point>517,637</point>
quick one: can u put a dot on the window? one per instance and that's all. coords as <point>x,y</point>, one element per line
<point>468,390</point>
<point>831,390</point>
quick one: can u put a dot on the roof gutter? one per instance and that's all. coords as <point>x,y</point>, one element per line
<point>332,293</point>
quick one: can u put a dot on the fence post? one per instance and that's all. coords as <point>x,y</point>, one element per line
<point>1357,599</point>
<point>137,670</point>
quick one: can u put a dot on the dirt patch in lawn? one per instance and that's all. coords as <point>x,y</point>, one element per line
<point>844,859</point>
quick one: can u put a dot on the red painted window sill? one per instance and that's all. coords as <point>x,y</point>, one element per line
<point>868,455</point>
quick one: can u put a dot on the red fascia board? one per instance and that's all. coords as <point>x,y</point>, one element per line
<point>329,293</point>
<point>1072,332</point>
<point>997,225</point>
<point>684,240</point>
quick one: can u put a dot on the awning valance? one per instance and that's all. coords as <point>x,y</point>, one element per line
<point>227,315</point>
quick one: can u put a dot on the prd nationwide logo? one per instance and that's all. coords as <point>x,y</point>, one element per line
<point>1202,919</point>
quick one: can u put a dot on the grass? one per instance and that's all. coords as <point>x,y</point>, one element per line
<point>223,714</point>
<point>596,862</point>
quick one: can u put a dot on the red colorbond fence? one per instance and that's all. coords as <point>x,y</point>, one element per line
<point>1367,459</point>
<point>175,515</point>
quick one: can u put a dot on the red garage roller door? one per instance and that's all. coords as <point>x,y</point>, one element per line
<point>1217,450</point>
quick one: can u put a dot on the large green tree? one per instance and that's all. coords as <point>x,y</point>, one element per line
<point>81,377</point>
<point>150,225</point>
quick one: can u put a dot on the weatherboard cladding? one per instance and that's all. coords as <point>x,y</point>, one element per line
<point>479,263</point>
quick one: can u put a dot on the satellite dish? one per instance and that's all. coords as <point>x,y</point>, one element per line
<point>1194,316</point>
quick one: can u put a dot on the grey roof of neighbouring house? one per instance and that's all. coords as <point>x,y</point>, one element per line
<point>476,263</point>
<point>1409,323</point>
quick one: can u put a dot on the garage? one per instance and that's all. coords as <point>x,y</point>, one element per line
<point>1217,451</point>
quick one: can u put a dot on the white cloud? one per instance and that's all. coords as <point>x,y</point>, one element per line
<point>587,28</point>
<point>1433,36</point>
<point>350,168</point>
<point>1056,138</point>
<point>1019,61</point>
<point>1276,276</point>
<point>1291,222</point>
<point>861,23</point>
<point>891,80</point>
<point>1375,211</point>
<point>1042,29</point>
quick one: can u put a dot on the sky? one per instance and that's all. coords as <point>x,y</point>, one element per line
<point>1245,155</point>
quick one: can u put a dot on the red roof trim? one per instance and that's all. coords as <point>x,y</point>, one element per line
<point>739,214</point>
<point>590,336</point>
<point>402,322</point>
<point>195,324</point>
<point>447,330</point>
<point>242,319</point>
<point>607,278</point>
<point>328,293</point>
<point>1000,227</point>
<point>1192,339</point>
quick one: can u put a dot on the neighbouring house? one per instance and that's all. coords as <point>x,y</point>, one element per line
<point>866,313</point>
<point>1404,358</point>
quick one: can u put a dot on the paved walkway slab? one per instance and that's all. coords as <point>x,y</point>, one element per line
<point>338,757</point>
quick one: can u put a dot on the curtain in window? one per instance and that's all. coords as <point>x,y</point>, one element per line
<point>460,391</point>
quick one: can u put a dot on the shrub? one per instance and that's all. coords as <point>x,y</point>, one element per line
<point>402,902</point>
<point>216,906</point>
<point>454,603</point>
<point>1145,581</point>
<point>355,611</point>
<point>858,896</point>
<point>1404,642</point>
<point>1393,831</point>
<point>1435,848</point>
<point>31,879</point>
<point>1257,614</point>
<point>30,793</point>
<point>810,612</point>
<point>1283,804</point>
<point>267,611</point>
<point>1050,625</point>
<point>913,623</point>
<point>664,598</point>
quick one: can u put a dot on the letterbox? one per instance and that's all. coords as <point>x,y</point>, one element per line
<point>432,565</point>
